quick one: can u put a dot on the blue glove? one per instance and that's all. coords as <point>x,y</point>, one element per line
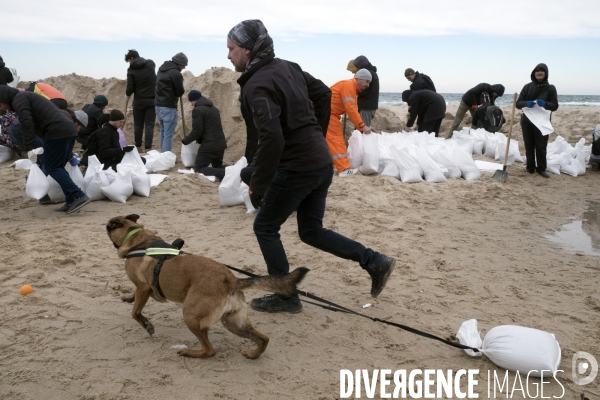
<point>74,161</point>
<point>530,103</point>
<point>541,103</point>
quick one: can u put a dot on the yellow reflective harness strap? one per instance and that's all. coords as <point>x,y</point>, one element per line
<point>157,251</point>
<point>130,234</point>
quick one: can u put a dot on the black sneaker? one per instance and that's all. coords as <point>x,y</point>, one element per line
<point>544,174</point>
<point>64,208</point>
<point>273,303</point>
<point>78,203</point>
<point>46,200</point>
<point>380,274</point>
<point>531,171</point>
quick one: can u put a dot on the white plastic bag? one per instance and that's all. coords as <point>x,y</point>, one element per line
<point>465,163</point>
<point>95,185</point>
<point>410,171</point>
<point>121,189</point>
<point>23,163</point>
<point>6,154</point>
<point>188,154</point>
<point>370,164</point>
<point>442,158</point>
<point>355,149</point>
<point>431,169</point>
<point>37,183</point>
<point>133,158</point>
<point>55,192</point>
<point>76,175</point>
<point>515,348</point>
<point>156,161</point>
<point>491,142</point>
<point>156,179</point>
<point>141,183</point>
<point>246,196</point>
<point>230,190</point>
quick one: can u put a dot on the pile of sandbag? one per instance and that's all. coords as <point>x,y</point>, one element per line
<point>571,160</point>
<point>412,156</point>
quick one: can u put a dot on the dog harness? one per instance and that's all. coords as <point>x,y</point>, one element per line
<point>161,251</point>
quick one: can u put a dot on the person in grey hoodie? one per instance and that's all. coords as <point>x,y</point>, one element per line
<point>207,131</point>
<point>368,99</point>
<point>482,93</point>
<point>169,88</point>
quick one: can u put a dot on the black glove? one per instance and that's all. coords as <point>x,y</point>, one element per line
<point>127,149</point>
<point>257,200</point>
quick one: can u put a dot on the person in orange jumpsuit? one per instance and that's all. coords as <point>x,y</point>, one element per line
<point>344,95</point>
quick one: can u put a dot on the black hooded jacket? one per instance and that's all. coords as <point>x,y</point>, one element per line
<point>368,99</point>
<point>169,85</point>
<point>38,116</point>
<point>424,104</point>
<point>6,76</point>
<point>420,83</point>
<point>290,137</point>
<point>207,130</point>
<point>473,95</point>
<point>108,148</point>
<point>94,113</point>
<point>535,90</point>
<point>141,79</point>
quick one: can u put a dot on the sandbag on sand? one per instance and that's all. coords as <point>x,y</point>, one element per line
<point>370,163</point>
<point>230,189</point>
<point>408,166</point>
<point>355,149</point>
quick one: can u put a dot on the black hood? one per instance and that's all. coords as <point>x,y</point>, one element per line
<point>2,64</point>
<point>406,95</point>
<point>361,62</point>
<point>167,66</point>
<point>498,89</point>
<point>138,63</point>
<point>203,101</point>
<point>7,94</point>
<point>542,66</point>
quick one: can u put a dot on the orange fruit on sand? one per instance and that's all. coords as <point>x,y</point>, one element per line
<point>26,289</point>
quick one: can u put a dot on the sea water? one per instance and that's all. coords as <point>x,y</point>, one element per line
<point>395,99</point>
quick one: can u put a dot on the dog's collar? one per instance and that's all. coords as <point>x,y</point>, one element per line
<point>129,235</point>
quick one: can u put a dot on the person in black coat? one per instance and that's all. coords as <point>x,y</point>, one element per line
<point>482,93</point>
<point>419,81</point>
<point>368,99</point>
<point>94,112</point>
<point>38,116</point>
<point>427,107</point>
<point>141,82</point>
<point>169,88</point>
<point>207,131</point>
<point>108,147</point>
<point>6,76</point>
<point>293,167</point>
<point>539,92</point>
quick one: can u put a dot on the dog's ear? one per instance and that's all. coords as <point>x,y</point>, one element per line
<point>132,217</point>
<point>113,224</point>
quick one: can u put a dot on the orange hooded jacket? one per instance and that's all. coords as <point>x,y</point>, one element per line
<point>344,95</point>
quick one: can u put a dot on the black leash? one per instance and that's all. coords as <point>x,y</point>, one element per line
<point>328,305</point>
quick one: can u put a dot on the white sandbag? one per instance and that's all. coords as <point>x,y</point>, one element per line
<point>479,140</point>
<point>110,174</point>
<point>515,348</point>
<point>188,154</point>
<point>387,164</point>
<point>37,184</point>
<point>163,162</point>
<point>6,153</point>
<point>55,192</point>
<point>23,163</point>
<point>133,158</point>
<point>465,163</point>
<point>370,163</point>
<point>121,189</point>
<point>95,185</point>
<point>580,161</point>
<point>408,166</point>
<point>441,158</point>
<point>431,169</point>
<point>156,179</point>
<point>488,166</point>
<point>230,190</point>
<point>141,183</point>
<point>553,168</point>
<point>540,117</point>
<point>491,142</point>
<point>465,143</point>
<point>76,175</point>
<point>250,208</point>
<point>502,150</point>
<point>355,149</point>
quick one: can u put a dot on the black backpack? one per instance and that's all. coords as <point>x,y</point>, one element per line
<point>428,82</point>
<point>494,119</point>
<point>92,147</point>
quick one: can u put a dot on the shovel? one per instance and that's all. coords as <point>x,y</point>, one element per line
<point>183,117</point>
<point>503,175</point>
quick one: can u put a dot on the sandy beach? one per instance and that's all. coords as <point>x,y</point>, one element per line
<point>465,249</point>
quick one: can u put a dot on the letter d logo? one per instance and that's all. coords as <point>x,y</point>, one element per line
<point>580,367</point>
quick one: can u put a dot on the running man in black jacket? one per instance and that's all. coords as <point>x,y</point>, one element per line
<point>541,92</point>
<point>141,82</point>
<point>293,168</point>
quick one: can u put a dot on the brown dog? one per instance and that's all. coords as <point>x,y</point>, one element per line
<point>207,289</point>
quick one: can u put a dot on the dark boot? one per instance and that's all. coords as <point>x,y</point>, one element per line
<point>273,303</point>
<point>380,274</point>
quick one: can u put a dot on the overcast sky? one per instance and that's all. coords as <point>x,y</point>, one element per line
<point>457,43</point>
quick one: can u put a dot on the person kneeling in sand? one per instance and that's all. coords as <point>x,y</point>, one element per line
<point>108,146</point>
<point>480,94</point>
<point>207,131</point>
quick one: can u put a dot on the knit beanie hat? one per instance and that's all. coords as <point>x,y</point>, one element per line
<point>363,74</point>
<point>180,59</point>
<point>81,117</point>
<point>408,72</point>
<point>116,115</point>
<point>100,100</point>
<point>194,95</point>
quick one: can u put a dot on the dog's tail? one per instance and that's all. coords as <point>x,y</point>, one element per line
<point>285,284</point>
